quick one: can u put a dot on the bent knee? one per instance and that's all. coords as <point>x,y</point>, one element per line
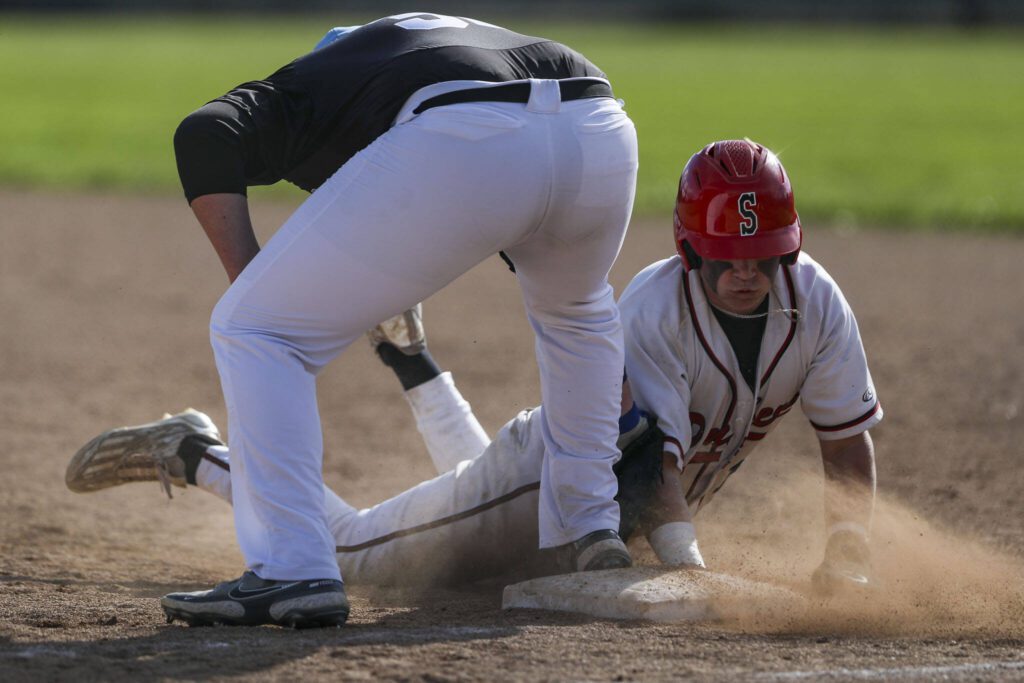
<point>223,319</point>
<point>600,315</point>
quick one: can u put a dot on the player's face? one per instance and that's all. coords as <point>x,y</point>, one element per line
<point>738,286</point>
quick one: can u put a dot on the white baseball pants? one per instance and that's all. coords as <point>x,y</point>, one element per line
<point>548,182</point>
<point>476,520</point>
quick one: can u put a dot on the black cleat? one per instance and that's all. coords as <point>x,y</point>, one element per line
<point>251,601</point>
<point>597,550</point>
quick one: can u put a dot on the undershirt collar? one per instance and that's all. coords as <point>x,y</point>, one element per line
<point>745,336</point>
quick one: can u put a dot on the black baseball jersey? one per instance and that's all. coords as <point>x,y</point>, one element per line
<point>308,118</point>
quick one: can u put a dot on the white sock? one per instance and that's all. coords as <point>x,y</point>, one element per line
<point>212,477</point>
<point>446,422</point>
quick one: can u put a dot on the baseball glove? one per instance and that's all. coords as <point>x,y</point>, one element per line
<point>639,474</point>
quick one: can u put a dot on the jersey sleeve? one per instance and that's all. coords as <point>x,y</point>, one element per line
<point>653,366</point>
<point>838,395</point>
<point>237,140</point>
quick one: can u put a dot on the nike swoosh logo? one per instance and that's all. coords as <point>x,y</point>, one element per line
<point>238,593</point>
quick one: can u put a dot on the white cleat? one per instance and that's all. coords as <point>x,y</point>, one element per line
<point>404,332</point>
<point>147,452</point>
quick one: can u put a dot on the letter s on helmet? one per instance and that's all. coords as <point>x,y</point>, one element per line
<point>735,202</point>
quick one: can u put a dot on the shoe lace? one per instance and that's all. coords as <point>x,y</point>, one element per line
<point>163,475</point>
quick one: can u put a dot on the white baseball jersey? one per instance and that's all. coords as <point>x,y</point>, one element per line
<point>479,517</point>
<point>682,368</point>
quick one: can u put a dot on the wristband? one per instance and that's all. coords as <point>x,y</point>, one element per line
<point>675,544</point>
<point>626,438</point>
<point>629,420</point>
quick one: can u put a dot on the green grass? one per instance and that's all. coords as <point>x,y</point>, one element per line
<point>920,128</point>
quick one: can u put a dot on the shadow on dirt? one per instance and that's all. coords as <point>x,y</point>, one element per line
<point>136,588</point>
<point>181,653</point>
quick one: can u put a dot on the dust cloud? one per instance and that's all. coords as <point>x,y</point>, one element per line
<point>930,581</point>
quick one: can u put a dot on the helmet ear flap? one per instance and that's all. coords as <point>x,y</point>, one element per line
<point>691,259</point>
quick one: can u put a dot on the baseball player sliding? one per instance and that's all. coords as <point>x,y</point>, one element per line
<point>722,340</point>
<point>429,143</point>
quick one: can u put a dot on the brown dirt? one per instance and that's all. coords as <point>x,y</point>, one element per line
<point>104,303</point>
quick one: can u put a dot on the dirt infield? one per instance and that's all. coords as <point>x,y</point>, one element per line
<point>103,309</point>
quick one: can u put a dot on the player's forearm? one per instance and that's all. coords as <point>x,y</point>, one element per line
<point>670,524</point>
<point>225,219</point>
<point>849,499</point>
<point>670,500</point>
<point>850,481</point>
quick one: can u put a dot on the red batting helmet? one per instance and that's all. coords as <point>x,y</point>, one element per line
<point>735,202</point>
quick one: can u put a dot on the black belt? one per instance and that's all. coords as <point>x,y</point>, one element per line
<point>516,92</point>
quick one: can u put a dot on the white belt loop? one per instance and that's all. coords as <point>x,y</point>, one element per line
<point>545,96</point>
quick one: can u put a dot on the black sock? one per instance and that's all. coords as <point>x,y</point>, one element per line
<point>411,371</point>
<point>191,450</point>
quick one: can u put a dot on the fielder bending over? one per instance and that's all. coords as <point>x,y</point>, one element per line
<point>722,340</point>
<point>429,143</point>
